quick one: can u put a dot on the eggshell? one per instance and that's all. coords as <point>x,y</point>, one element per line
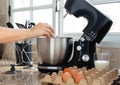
<point>66,76</point>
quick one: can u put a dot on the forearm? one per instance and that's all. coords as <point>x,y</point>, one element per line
<point>12,35</point>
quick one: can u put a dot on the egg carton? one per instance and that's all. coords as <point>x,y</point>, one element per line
<point>92,77</point>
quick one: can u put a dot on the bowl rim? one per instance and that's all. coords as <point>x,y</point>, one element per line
<point>43,37</point>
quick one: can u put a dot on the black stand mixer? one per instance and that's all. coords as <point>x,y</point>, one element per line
<point>97,28</point>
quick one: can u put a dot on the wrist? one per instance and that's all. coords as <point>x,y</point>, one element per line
<point>31,33</point>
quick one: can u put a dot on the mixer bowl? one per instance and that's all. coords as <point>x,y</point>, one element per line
<point>55,51</point>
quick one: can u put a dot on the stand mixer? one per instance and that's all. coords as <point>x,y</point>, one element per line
<point>85,47</point>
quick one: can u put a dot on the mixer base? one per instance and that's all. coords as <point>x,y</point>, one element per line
<point>46,68</point>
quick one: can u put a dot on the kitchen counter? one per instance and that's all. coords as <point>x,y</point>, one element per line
<point>30,76</point>
<point>24,77</point>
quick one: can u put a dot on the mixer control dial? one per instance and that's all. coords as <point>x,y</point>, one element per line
<point>82,39</point>
<point>85,58</point>
<point>79,48</point>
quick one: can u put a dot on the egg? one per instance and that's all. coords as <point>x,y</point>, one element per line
<point>78,77</point>
<point>66,76</point>
<point>73,72</point>
<point>67,69</point>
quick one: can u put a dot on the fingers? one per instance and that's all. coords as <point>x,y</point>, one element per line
<point>49,30</point>
<point>47,34</point>
<point>43,29</point>
<point>48,26</point>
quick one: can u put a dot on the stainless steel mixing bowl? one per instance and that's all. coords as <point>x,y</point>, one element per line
<point>55,51</point>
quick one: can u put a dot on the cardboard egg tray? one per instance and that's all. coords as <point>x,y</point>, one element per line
<point>92,77</point>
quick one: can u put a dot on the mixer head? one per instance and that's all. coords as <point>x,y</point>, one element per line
<point>98,24</point>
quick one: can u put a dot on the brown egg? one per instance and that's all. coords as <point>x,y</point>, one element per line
<point>66,76</point>
<point>78,77</point>
<point>67,69</point>
<point>73,72</point>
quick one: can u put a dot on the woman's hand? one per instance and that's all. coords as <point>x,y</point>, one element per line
<point>42,29</point>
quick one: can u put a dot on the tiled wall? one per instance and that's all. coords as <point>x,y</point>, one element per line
<point>3,12</point>
<point>3,20</point>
